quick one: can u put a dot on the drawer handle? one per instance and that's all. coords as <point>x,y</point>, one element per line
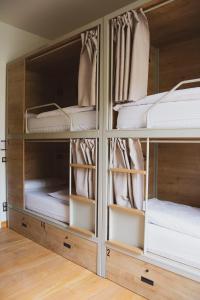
<point>24,225</point>
<point>148,281</point>
<point>66,245</point>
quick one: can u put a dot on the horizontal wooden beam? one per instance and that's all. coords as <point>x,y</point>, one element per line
<point>82,199</point>
<point>127,171</point>
<point>82,231</point>
<point>125,247</point>
<point>82,166</point>
<point>128,210</point>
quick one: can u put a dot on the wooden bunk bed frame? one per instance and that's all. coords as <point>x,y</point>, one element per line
<point>150,276</point>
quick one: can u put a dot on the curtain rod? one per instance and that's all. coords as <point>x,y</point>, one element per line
<point>158,6</point>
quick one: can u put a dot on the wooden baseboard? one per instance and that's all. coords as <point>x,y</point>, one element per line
<point>4,224</point>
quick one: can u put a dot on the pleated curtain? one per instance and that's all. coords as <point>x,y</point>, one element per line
<point>87,78</point>
<point>131,46</point>
<point>84,152</point>
<point>128,188</point>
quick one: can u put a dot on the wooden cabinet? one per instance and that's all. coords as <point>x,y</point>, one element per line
<point>72,247</point>
<point>15,172</point>
<point>15,97</point>
<point>148,280</point>
<point>27,226</point>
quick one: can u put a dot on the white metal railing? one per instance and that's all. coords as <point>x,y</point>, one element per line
<point>46,105</point>
<point>166,95</point>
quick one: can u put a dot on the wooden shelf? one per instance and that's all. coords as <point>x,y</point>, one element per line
<point>82,199</point>
<point>128,210</point>
<point>124,247</point>
<point>127,171</point>
<point>82,166</point>
<point>82,231</point>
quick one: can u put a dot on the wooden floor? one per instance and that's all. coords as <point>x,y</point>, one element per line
<point>29,271</point>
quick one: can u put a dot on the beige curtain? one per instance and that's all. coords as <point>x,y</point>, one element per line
<point>128,188</point>
<point>84,152</point>
<point>131,46</point>
<point>87,79</point>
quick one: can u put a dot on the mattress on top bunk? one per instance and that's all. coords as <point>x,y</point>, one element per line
<point>56,121</point>
<point>49,201</point>
<point>178,217</point>
<point>173,245</point>
<point>181,109</point>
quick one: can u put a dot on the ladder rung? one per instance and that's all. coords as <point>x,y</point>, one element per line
<point>132,211</point>
<point>125,247</point>
<point>127,171</point>
<point>82,199</point>
<point>82,166</point>
<point>83,231</point>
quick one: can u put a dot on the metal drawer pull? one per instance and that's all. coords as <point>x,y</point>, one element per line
<point>66,245</point>
<point>148,281</point>
<point>24,224</point>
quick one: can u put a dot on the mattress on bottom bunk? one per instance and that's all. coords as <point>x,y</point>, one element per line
<point>41,202</point>
<point>178,217</point>
<point>57,123</point>
<point>173,245</point>
<point>180,110</point>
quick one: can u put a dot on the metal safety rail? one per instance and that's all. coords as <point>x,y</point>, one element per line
<point>166,95</point>
<point>46,105</point>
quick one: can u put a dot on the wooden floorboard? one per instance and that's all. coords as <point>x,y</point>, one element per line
<point>29,271</point>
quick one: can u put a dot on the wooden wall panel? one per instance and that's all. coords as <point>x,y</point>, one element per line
<point>179,173</point>
<point>15,97</point>
<point>46,159</point>
<point>153,71</point>
<point>179,61</point>
<point>15,172</point>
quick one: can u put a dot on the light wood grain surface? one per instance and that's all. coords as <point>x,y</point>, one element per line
<point>29,271</point>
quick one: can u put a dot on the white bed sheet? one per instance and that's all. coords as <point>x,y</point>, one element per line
<point>39,201</point>
<point>173,245</point>
<point>178,217</point>
<point>79,121</point>
<point>180,110</point>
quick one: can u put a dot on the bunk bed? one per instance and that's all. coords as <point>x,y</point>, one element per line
<point>48,197</point>
<point>176,224</point>
<point>173,109</point>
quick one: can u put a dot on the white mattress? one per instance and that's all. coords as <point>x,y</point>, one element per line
<point>173,245</point>
<point>41,202</point>
<point>181,218</point>
<point>180,110</point>
<point>56,123</point>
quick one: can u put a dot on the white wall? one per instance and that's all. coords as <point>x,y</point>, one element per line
<point>14,42</point>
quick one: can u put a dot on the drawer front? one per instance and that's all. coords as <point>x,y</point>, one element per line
<point>27,226</point>
<point>148,280</point>
<point>76,249</point>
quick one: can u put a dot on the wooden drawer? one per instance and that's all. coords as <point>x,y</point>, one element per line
<point>148,280</point>
<point>74,248</point>
<point>28,226</point>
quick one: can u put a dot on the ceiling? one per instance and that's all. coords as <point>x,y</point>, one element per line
<point>53,18</point>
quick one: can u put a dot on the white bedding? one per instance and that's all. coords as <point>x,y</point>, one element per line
<point>69,110</point>
<point>85,120</point>
<point>180,110</point>
<point>173,245</point>
<point>35,184</point>
<point>178,217</point>
<point>41,202</point>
